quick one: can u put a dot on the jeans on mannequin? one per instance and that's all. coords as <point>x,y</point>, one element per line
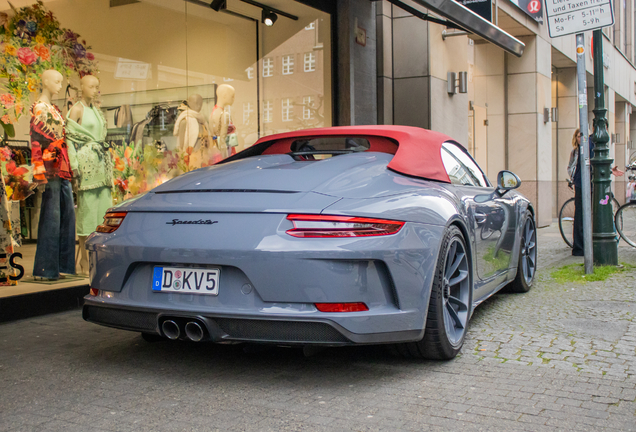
<point>82,256</point>
<point>55,252</point>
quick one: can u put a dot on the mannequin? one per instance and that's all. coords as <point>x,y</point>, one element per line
<point>91,164</point>
<point>56,229</point>
<point>193,131</point>
<point>220,121</point>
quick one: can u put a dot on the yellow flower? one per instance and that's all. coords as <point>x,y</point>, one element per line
<point>39,39</point>
<point>9,190</point>
<point>18,94</point>
<point>32,85</point>
<point>10,50</point>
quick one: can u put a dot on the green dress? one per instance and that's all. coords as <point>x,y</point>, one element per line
<point>89,156</point>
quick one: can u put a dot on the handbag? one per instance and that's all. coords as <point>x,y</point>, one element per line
<point>231,140</point>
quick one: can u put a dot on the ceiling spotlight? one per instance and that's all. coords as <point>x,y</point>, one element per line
<point>217,5</point>
<point>268,17</point>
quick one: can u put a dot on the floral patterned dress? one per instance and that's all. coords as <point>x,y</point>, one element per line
<point>7,241</point>
<point>48,146</point>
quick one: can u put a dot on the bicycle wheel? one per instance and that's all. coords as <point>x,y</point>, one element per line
<point>617,220</point>
<point>625,221</point>
<point>566,222</point>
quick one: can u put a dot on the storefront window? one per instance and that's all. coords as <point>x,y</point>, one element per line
<point>179,87</point>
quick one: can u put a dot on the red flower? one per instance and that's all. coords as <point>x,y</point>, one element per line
<point>42,51</point>
<point>122,185</point>
<point>26,56</point>
<point>14,170</point>
<point>15,179</point>
<point>90,56</point>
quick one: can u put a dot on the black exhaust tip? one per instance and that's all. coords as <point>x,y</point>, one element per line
<point>194,331</point>
<point>171,329</point>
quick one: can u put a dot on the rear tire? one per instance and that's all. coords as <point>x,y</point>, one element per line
<point>450,303</point>
<point>625,221</point>
<point>527,264</point>
<point>566,222</point>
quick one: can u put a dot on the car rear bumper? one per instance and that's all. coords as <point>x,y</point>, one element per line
<point>235,327</point>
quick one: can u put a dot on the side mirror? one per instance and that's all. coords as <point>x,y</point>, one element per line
<point>506,181</point>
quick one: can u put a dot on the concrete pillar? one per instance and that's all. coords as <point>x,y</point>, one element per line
<point>448,113</point>
<point>567,104</point>
<point>555,156</point>
<point>411,87</point>
<point>631,141</point>
<point>357,80</point>
<point>384,31</point>
<point>411,76</point>
<point>629,48</point>
<point>621,152</point>
<point>529,138</point>
<point>610,103</point>
<point>488,91</point>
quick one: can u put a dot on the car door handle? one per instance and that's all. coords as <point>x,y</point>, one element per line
<point>480,217</point>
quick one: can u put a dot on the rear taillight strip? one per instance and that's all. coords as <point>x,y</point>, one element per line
<point>112,221</point>
<point>325,226</point>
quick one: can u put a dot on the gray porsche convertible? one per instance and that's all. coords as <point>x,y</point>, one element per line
<point>334,236</point>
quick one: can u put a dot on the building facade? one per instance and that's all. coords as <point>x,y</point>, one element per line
<point>502,118</point>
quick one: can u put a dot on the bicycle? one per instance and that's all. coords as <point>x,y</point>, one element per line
<point>625,217</point>
<point>566,217</point>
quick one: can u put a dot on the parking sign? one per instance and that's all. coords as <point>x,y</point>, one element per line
<point>577,16</point>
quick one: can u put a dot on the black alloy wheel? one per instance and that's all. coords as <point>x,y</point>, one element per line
<point>450,303</point>
<point>527,266</point>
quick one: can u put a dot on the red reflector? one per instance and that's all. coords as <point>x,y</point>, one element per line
<point>341,307</point>
<point>94,292</point>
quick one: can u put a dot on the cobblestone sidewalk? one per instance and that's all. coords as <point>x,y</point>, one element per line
<point>583,327</point>
<point>561,357</point>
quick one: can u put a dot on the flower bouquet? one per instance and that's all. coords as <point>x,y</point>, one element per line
<point>18,188</point>
<point>32,41</point>
<point>136,171</point>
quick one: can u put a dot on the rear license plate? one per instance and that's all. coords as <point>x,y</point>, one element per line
<point>186,280</point>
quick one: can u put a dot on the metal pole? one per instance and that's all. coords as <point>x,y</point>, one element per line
<point>584,153</point>
<point>605,245</point>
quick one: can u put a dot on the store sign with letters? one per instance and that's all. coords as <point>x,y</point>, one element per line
<point>13,265</point>
<point>132,70</point>
<point>533,8</point>
<point>577,16</point>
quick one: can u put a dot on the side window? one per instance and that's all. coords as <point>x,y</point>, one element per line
<point>476,174</point>
<point>457,173</point>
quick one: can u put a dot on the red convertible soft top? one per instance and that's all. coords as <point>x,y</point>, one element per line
<point>418,153</point>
